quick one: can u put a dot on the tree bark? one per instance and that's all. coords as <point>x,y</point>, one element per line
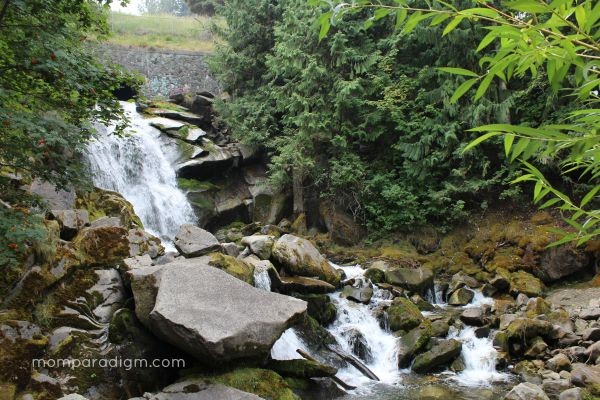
<point>298,189</point>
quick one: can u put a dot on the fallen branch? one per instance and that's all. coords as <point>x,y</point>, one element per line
<point>356,363</point>
<point>334,378</point>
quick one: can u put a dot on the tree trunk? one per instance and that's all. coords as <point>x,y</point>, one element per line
<point>298,189</point>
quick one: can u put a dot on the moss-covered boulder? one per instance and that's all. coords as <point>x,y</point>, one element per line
<point>461,297</point>
<point>261,382</point>
<point>412,342</point>
<point>442,353</point>
<point>375,275</point>
<point>105,203</point>
<point>526,283</point>
<point>300,368</point>
<point>320,307</point>
<point>403,315</point>
<point>528,328</point>
<point>300,257</point>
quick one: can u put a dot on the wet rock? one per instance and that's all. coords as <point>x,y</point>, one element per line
<point>421,303</point>
<point>70,221</point>
<point>73,396</point>
<point>559,362</point>
<point>461,297</point>
<point>300,284</point>
<point>192,241</point>
<point>300,257</point>
<point>458,365</point>
<point>460,280</point>
<point>571,394</point>
<point>439,328</point>
<point>360,295</point>
<point>529,371</point>
<point>218,160</point>
<point>488,290</point>
<point>526,391</point>
<point>261,245</point>
<point>440,354</point>
<point>473,316</point>
<point>417,280</point>
<point>537,306</point>
<point>108,292</point>
<point>482,332</point>
<point>403,315</point>
<point>413,342</point>
<point>524,282</point>
<point>320,307</point>
<point>212,315</point>
<point>359,345</point>
<point>590,313</point>
<point>299,368</point>
<point>501,341</point>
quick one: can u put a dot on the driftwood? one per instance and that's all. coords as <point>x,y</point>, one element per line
<point>334,378</point>
<point>356,363</point>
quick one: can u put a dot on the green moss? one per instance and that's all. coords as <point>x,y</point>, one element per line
<point>233,266</point>
<point>102,203</point>
<point>404,315</point>
<point>165,105</point>
<point>261,382</point>
<point>195,185</point>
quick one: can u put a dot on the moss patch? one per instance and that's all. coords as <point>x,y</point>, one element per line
<point>261,382</point>
<point>233,266</point>
<point>195,185</point>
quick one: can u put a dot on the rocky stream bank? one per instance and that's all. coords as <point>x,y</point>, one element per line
<point>235,288</point>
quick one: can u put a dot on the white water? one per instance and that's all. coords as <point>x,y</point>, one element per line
<point>140,167</point>
<point>285,347</point>
<point>262,279</point>
<point>479,355</point>
<point>383,344</point>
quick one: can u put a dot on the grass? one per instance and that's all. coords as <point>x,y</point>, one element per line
<point>162,31</point>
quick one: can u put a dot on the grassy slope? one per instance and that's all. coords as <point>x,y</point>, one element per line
<point>162,31</point>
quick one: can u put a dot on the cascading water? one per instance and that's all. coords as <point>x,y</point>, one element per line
<point>382,345</point>
<point>140,167</point>
<point>479,355</point>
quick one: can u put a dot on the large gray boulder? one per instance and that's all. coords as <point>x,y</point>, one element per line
<point>192,241</point>
<point>261,245</point>
<point>526,391</point>
<point>70,221</point>
<point>196,389</point>
<point>585,375</point>
<point>418,279</point>
<point>210,314</point>
<point>300,257</point>
<point>440,354</point>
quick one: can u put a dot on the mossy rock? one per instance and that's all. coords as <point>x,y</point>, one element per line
<point>524,282</point>
<point>102,246</point>
<point>233,266</point>
<point>413,342</point>
<point>300,368</point>
<point>375,275</point>
<point>20,343</point>
<point>319,307</point>
<point>105,203</point>
<point>261,382</point>
<point>403,315</point>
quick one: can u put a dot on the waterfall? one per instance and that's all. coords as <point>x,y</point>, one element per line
<point>382,345</point>
<point>140,167</point>
<point>479,355</point>
<point>285,347</point>
<point>262,279</point>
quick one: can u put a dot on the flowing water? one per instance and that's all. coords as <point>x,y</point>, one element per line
<point>140,167</point>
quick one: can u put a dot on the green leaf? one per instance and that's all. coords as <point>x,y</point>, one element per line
<point>400,17</point>
<point>452,25</point>
<point>483,86</point>
<point>487,39</point>
<point>589,196</point>
<point>462,89</point>
<point>458,71</point>
<point>549,203</point>
<point>480,139</point>
<point>508,141</point>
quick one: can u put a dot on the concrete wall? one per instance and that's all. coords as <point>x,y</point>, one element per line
<point>166,71</point>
